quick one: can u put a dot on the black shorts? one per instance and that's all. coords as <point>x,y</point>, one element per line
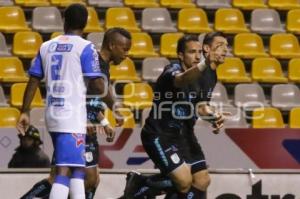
<point>173,147</point>
<point>91,151</point>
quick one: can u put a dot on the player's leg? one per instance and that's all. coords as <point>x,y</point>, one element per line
<point>195,157</point>
<point>92,179</point>
<point>68,156</point>
<point>42,188</point>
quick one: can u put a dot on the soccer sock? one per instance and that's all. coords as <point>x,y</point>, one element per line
<point>77,185</point>
<point>60,187</point>
<point>90,194</point>
<point>193,193</point>
<point>40,189</point>
<point>154,185</point>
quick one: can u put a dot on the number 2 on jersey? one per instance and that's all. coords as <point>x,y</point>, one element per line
<point>56,62</point>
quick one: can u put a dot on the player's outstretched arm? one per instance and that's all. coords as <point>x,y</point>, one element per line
<point>190,75</point>
<point>23,122</point>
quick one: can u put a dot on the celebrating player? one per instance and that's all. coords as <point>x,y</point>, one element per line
<point>184,90</point>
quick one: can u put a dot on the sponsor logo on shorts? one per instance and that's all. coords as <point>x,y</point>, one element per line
<point>89,156</point>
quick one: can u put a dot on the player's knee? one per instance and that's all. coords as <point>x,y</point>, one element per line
<point>184,184</point>
<point>202,181</point>
<point>92,181</point>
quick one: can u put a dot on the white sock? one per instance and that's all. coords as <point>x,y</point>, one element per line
<point>59,191</point>
<point>77,188</point>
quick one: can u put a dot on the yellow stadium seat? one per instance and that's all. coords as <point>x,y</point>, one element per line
<point>267,117</point>
<point>16,96</point>
<point>55,34</point>
<point>193,20</point>
<point>93,24</point>
<point>138,95</point>
<point>294,121</point>
<point>27,44</point>
<point>65,3</point>
<point>121,17</point>
<point>249,4</point>
<point>32,3</point>
<point>284,46</point>
<point>267,70</point>
<point>11,70</point>
<point>128,116</point>
<point>9,116</point>
<point>141,3</point>
<point>294,70</point>
<point>124,71</point>
<point>249,45</point>
<point>168,44</point>
<point>293,21</point>
<point>232,71</point>
<point>283,4</point>
<point>177,3</point>
<point>141,46</point>
<point>230,20</point>
<point>12,20</point>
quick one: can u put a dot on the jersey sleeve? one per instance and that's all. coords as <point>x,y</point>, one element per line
<point>36,68</point>
<point>169,75</point>
<point>90,62</point>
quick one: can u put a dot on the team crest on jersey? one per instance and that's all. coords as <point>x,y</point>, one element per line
<point>79,139</point>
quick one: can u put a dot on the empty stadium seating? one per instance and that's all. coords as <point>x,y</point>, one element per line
<point>11,70</point>
<point>267,118</point>
<point>293,21</point>
<point>96,38</point>
<point>157,20</point>
<point>124,71</point>
<point>284,46</point>
<point>12,20</point>
<point>294,70</point>
<point>141,3</point>
<point>3,101</point>
<point>232,71</point>
<point>193,20</point>
<point>248,45</point>
<point>220,96</point>
<point>249,4</point>
<point>93,24</point>
<point>230,21</point>
<point>16,96</point>
<point>249,96</point>
<point>284,5</point>
<point>3,46</point>
<point>266,21</point>
<point>26,44</point>
<point>214,4</point>
<point>153,67</point>
<point>37,117</point>
<point>285,96</point>
<point>32,3</point>
<point>138,95</point>
<point>121,17</point>
<point>294,121</point>
<point>8,116</point>
<point>168,44</point>
<point>141,46</point>
<point>106,3</point>
<point>127,116</point>
<point>177,3</point>
<point>267,70</point>
<point>47,20</point>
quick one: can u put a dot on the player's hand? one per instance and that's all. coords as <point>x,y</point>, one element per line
<point>119,119</point>
<point>219,121</point>
<point>90,128</point>
<point>110,133</point>
<point>23,123</point>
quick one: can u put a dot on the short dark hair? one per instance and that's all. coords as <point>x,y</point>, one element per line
<point>76,16</point>
<point>209,37</point>
<point>183,40</point>
<point>110,35</point>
